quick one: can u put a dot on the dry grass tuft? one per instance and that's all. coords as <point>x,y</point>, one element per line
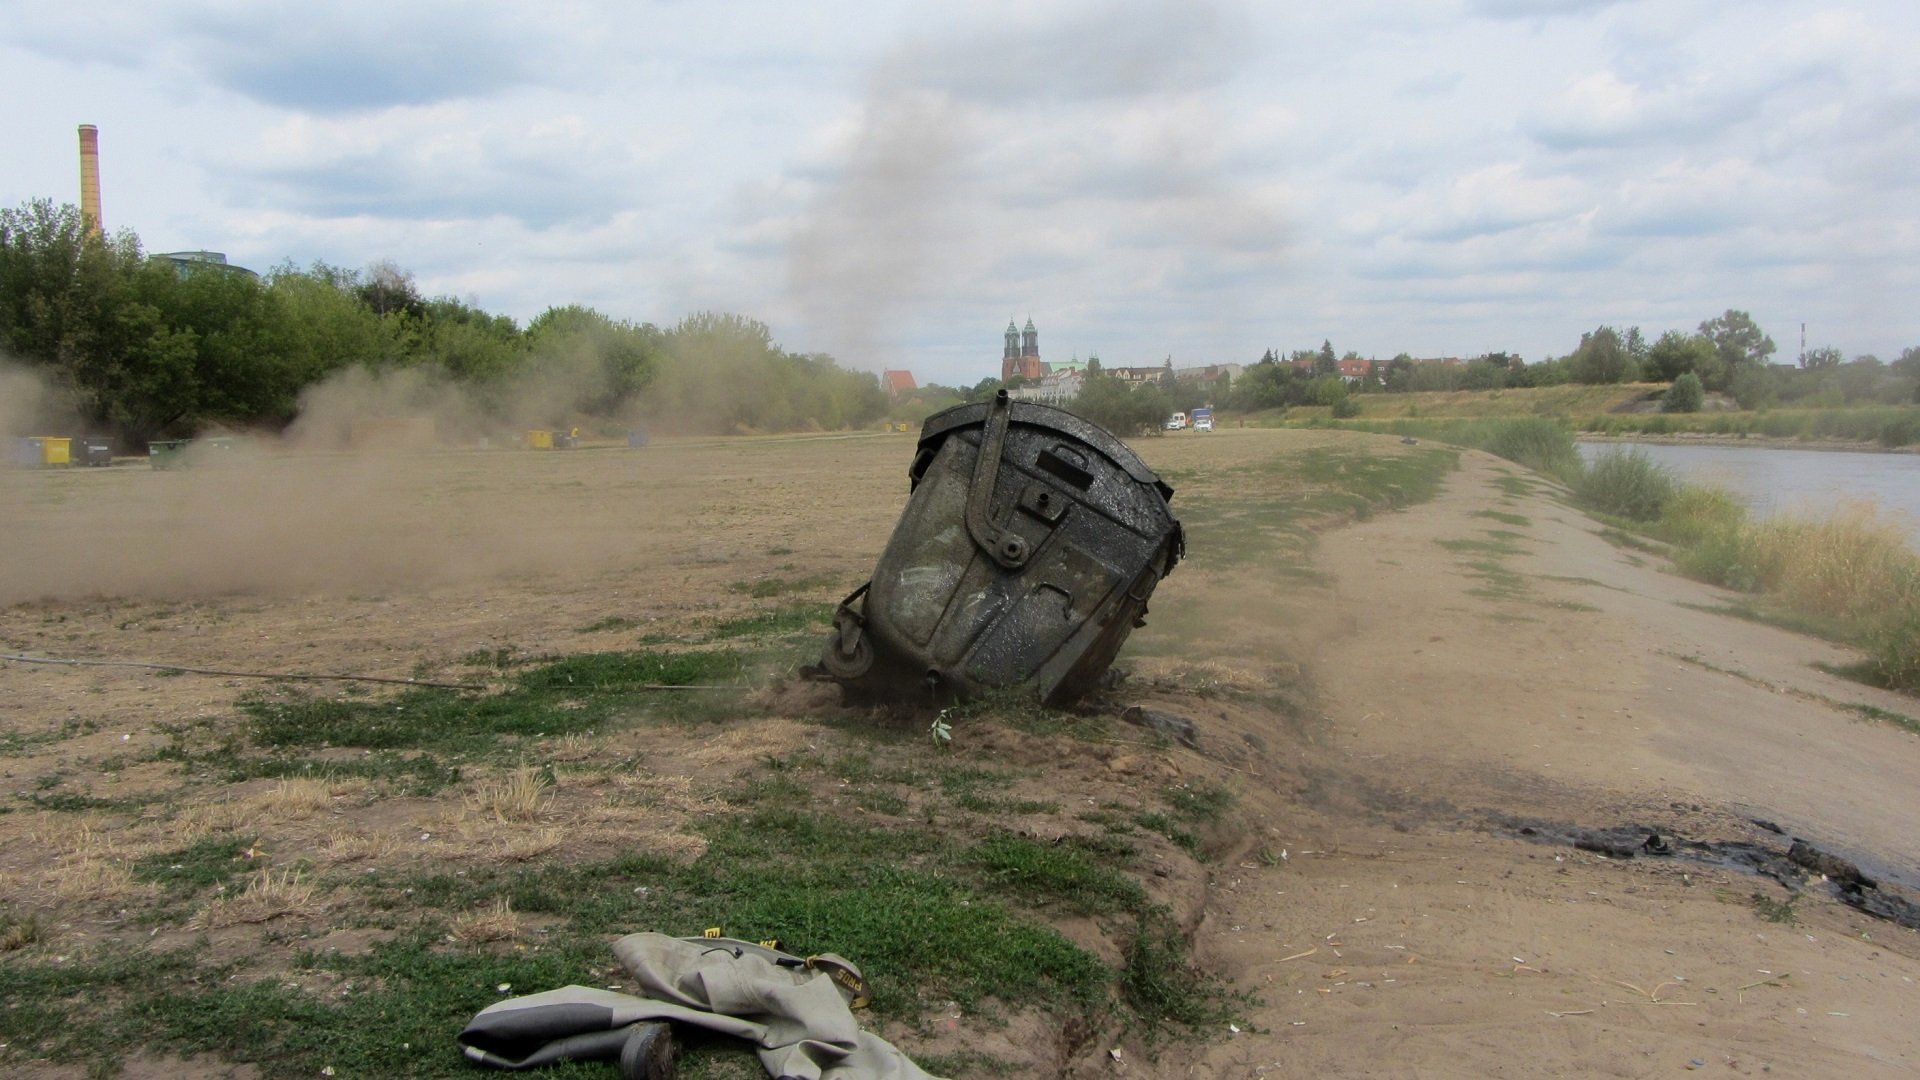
<point>90,861</point>
<point>521,795</point>
<point>288,800</point>
<point>1850,564</point>
<point>498,923</point>
<point>345,846</point>
<point>751,742</point>
<point>525,847</point>
<point>18,933</point>
<point>267,897</point>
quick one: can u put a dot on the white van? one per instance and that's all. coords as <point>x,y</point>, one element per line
<point>1177,422</point>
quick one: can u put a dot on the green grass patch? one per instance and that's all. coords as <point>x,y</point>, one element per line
<point>214,860</point>
<point>1495,545</point>
<point>764,588</point>
<point>576,694</point>
<point>1516,520</point>
<point>1544,445</point>
<point>783,621</point>
<point>1882,716</point>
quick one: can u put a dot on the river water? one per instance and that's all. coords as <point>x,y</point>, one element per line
<point>1773,481</point>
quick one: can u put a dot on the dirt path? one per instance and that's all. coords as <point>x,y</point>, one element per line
<point>1486,654</point>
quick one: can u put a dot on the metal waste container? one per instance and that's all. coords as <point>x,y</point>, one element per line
<point>167,453</point>
<point>1026,555</point>
<point>94,450</point>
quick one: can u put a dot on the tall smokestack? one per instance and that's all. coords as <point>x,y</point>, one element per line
<point>90,177</point>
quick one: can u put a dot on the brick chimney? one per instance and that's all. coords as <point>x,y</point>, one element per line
<point>90,177</point>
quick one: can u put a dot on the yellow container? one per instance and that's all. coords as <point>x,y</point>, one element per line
<point>56,451</point>
<point>539,440</point>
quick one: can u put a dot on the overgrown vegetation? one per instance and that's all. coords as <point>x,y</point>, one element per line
<point>1852,575</point>
<point>148,347</point>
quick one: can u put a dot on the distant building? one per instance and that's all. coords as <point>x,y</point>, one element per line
<point>188,262</point>
<point>1053,388</point>
<point>1208,373</point>
<point>1022,353</point>
<point>898,384</point>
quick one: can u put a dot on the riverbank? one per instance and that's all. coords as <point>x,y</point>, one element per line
<point>1408,685</point>
<point>1757,442</point>
<point>1464,867</point>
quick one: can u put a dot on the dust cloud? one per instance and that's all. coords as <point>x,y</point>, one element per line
<point>256,519</point>
<point>1066,159</point>
<point>32,405</point>
<point>418,408</point>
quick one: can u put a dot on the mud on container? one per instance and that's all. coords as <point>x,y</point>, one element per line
<point>1026,555</point>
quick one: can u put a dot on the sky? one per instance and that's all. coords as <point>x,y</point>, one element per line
<point>892,182</point>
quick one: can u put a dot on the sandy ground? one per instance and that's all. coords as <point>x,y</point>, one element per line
<point>1388,728</point>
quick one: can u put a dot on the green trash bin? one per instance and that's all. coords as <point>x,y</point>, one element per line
<point>167,453</point>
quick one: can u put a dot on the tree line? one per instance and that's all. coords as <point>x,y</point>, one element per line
<point>1728,354</point>
<point>146,347</point>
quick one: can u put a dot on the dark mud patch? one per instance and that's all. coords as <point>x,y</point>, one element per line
<point>1798,865</point>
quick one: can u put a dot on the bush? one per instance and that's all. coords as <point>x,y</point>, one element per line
<point>1686,394</point>
<point>1630,485</point>
<point>1903,430</point>
<point>1696,512</point>
<point>1346,408</point>
<point>1538,444</point>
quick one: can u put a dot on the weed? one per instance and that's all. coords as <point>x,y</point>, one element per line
<point>1199,802</point>
<point>1776,911</point>
<point>19,931</point>
<point>1164,987</point>
<point>611,622</point>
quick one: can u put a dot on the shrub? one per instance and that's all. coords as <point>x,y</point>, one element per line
<point>1903,430</point>
<point>1686,395</point>
<point>1346,408</point>
<point>1536,443</point>
<point>1853,564</point>
<point>1630,485</point>
<point>1696,511</point>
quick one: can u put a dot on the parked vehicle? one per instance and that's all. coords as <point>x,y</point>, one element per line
<point>1203,419</point>
<point>1177,422</point>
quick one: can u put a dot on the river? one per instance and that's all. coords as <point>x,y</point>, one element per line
<point>1773,481</point>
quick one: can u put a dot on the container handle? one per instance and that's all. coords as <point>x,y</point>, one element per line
<point>1003,546</point>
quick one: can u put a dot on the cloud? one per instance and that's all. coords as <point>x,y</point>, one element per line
<point>333,59</point>
<point>447,162</point>
<point>1084,52</point>
<point>1537,9</point>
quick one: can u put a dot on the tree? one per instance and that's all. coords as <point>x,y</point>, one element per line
<point>1121,409</point>
<point>1676,354</point>
<point>1909,362</point>
<point>1686,394</point>
<point>1738,339</point>
<point>1826,356</point>
<point>1752,387</point>
<point>1324,362</point>
<point>1601,358</point>
<point>389,290</point>
<point>1400,374</point>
